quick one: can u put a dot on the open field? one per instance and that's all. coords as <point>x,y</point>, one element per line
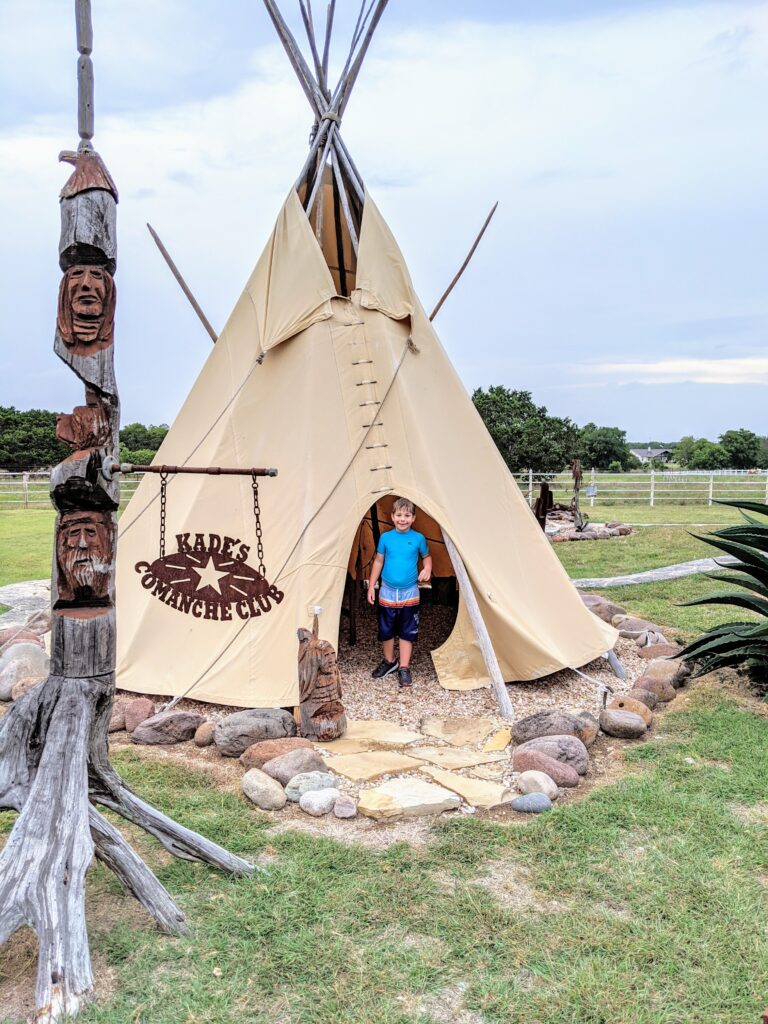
<point>640,902</point>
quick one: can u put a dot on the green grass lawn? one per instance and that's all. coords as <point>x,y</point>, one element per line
<point>642,903</point>
<point>716,515</point>
<point>650,547</point>
<point>26,545</point>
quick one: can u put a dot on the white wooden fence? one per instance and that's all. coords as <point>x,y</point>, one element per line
<point>655,487</point>
<point>30,490</point>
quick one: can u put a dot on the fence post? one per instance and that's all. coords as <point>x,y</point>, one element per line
<point>530,487</point>
<point>25,487</point>
<point>711,488</point>
<point>766,487</point>
<point>653,487</point>
<point>592,485</point>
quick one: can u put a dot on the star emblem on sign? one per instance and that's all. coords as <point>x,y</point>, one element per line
<point>209,576</point>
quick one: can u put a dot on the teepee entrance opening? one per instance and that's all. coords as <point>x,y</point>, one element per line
<point>358,643</point>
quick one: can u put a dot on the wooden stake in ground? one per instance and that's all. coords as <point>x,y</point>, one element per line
<point>54,760</point>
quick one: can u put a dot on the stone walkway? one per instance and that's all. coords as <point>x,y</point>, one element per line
<point>22,599</point>
<point>666,572</point>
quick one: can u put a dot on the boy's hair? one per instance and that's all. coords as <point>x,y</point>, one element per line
<point>404,505</point>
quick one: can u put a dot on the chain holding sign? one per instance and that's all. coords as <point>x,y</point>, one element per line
<point>208,575</point>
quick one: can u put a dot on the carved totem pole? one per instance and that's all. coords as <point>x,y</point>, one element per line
<point>54,761</point>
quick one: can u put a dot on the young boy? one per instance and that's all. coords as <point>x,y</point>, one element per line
<point>397,555</point>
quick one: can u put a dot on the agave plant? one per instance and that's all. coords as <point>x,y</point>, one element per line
<point>738,643</point>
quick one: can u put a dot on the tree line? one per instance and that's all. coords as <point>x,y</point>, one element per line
<point>525,434</point>
<point>28,440</point>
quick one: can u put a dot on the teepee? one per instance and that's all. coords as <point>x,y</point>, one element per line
<point>329,369</point>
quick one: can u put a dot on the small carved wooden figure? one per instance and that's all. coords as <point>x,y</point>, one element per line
<point>84,555</point>
<point>87,426</point>
<point>322,710</point>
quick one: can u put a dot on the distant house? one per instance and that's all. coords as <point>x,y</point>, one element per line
<point>649,454</point>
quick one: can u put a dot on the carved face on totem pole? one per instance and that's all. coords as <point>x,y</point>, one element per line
<point>86,314</point>
<point>84,553</point>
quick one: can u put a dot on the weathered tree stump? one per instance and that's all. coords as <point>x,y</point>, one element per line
<point>54,761</point>
<point>320,704</point>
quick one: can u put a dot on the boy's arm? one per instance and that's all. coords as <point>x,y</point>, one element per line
<point>426,569</point>
<point>376,568</point>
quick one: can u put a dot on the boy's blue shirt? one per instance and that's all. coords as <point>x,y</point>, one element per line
<point>401,557</point>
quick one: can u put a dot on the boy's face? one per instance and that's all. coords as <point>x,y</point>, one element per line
<point>402,519</point>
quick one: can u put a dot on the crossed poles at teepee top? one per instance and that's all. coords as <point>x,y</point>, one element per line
<point>328,107</point>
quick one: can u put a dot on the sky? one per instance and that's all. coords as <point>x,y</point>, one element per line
<point>622,280</point>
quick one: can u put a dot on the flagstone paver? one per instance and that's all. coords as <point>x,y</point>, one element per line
<point>459,732</point>
<point>449,757</point>
<point>406,798</point>
<point>475,791</point>
<point>372,764</point>
<point>379,733</point>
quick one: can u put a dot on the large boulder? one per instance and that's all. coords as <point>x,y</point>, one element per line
<point>622,724</point>
<point>204,734</point>
<point>263,791</point>
<point>533,760</point>
<point>623,702</point>
<point>235,733</point>
<point>555,723</point>
<point>265,750</point>
<point>117,719</point>
<point>295,762</point>
<point>39,622</point>
<point>602,607</point>
<point>20,661</point>
<point>567,749</point>
<point>167,728</point>
<point>138,711</point>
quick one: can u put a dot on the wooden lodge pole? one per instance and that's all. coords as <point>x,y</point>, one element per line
<point>481,631</point>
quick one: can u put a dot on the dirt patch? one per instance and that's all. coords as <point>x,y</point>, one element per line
<point>445,1006</point>
<point>508,882</point>
<point>751,814</point>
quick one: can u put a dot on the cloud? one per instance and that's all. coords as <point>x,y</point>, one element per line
<point>750,371</point>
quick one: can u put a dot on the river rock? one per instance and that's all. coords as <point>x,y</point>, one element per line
<point>622,724</point>
<point>661,689</point>
<point>318,802</point>
<point>673,672</point>
<point>555,723</point>
<point>117,718</point>
<point>11,635</point>
<point>566,749</point>
<point>259,753</point>
<point>602,607</point>
<point>235,733</point>
<point>631,627</point>
<point>167,727</point>
<point>308,781</point>
<point>263,791</point>
<point>537,782</point>
<point>650,651</point>
<point>39,622</point>
<point>636,707</point>
<point>29,657</point>
<point>138,711</point>
<point>644,696</point>
<point>345,806</point>
<point>26,684</point>
<point>624,530</point>
<point>531,803</point>
<point>295,762</point>
<point>204,734</point>
<point>533,760</point>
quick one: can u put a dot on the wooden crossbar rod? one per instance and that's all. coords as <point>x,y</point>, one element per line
<point>129,467</point>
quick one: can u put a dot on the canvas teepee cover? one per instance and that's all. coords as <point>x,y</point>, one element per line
<point>356,398</point>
